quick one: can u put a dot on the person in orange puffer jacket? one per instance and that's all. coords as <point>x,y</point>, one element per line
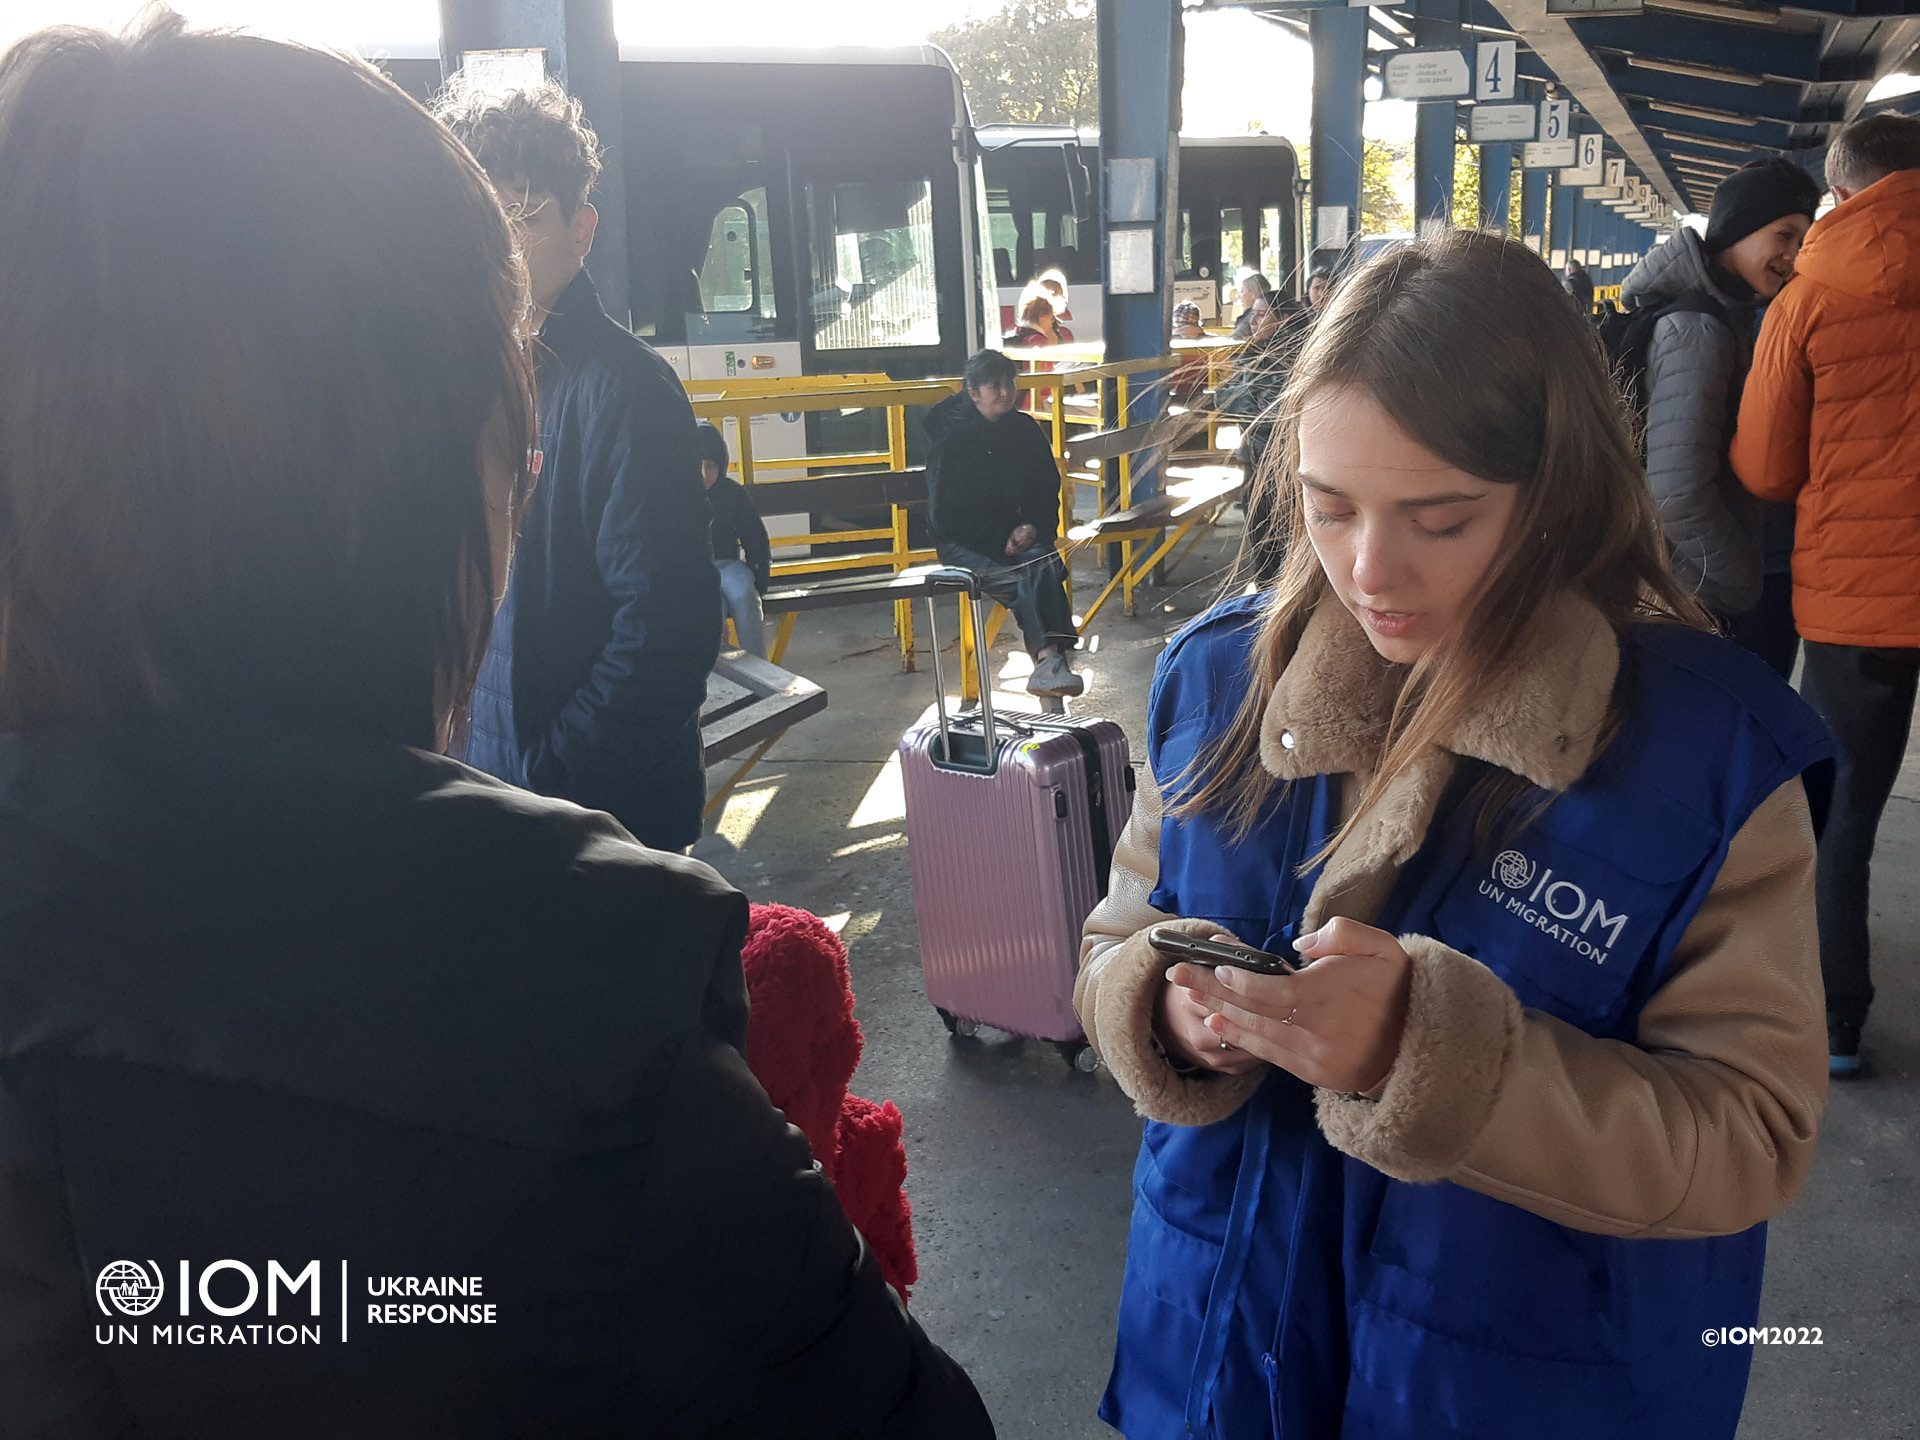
<point>1831,420</point>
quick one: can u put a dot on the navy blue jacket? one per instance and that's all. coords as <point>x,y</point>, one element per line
<point>1276,1286</point>
<point>593,681</point>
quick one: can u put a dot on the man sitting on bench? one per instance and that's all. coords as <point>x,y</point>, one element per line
<point>993,491</point>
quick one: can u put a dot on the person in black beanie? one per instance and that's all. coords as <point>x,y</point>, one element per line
<point>1703,294</point>
<point>742,552</point>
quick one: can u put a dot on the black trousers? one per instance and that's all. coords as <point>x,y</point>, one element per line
<point>1031,584</point>
<point>1866,697</point>
<point>1767,629</point>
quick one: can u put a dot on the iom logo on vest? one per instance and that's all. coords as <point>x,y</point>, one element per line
<point>1559,909</point>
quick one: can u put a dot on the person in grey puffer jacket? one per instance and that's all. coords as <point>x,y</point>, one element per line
<point>1712,286</point>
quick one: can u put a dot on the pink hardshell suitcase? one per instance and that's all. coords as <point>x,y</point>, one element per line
<point>1011,825</point>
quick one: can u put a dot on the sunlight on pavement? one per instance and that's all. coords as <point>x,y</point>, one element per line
<point>743,812</point>
<point>850,927</point>
<point>878,842</point>
<point>885,802</point>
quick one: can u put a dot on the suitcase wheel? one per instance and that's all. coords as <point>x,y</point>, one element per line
<point>957,1024</point>
<point>1080,1055</point>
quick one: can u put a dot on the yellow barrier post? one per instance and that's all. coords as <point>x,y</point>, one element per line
<point>897,461</point>
<point>1059,424</point>
<point>969,655</point>
<point>1126,501</point>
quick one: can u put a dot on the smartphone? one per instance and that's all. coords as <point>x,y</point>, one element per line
<point>1178,945</point>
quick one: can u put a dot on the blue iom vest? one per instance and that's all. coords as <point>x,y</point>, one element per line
<point>1275,1286</point>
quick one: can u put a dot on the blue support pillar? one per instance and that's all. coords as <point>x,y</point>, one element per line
<point>1433,142</point>
<point>1436,23</point>
<point>1496,186</point>
<point>583,54</point>
<point>1339,38</point>
<point>1141,61</point>
<point>1533,183</point>
<point>1533,207</point>
<point>1142,58</point>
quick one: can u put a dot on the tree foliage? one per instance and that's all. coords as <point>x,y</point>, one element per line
<point>1466,191</point>
<point>1386,179</point>
<point>1466,187</point>
<point>1032,62</point>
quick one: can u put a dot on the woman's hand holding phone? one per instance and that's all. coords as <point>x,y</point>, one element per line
<point>1181,1025</point>
<point>1336,1024</point>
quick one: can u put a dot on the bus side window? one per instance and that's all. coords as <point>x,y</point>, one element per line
<point>1272,247</point>
<point>1004,231</point>
<point>735,276</point>
<point>1232,243</point>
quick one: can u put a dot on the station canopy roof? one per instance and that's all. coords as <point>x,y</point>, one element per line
<point>1686,90</point>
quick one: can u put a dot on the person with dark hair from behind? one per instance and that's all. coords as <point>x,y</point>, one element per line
<point>1699,294</point>
<point>283,983</point>
<point>1831,422</point>
<point>593,683</point>
<point>737,531</point>
<point>993,493</point>
<point>1577,281</point>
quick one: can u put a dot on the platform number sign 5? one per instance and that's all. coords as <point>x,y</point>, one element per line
<point>1556,119</point>
<point>1493,70</point>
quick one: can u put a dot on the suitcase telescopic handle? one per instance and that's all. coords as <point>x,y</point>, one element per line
<point>953,578</point>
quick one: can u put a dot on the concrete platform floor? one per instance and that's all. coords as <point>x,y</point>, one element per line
<point>1020,1168</point>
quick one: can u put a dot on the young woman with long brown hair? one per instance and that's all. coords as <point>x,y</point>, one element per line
<point>1500,1155</point>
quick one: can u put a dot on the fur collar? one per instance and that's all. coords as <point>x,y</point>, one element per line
<point>1328,715</point>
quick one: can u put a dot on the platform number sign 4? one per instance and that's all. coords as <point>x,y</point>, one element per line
<point>1493,71</point>
<point>1556,119</point>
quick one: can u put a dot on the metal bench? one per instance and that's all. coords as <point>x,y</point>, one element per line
<point>750,704</point>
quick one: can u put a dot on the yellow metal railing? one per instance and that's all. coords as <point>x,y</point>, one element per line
<point>1062,400</point>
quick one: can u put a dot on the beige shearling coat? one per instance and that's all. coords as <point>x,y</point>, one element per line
<point>1705,1126</point>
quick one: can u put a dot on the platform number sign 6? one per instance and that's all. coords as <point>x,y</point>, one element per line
<point>1556,119</point>
<point>1494,64</point>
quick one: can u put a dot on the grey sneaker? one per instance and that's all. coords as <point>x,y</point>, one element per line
<point>1054,676</point>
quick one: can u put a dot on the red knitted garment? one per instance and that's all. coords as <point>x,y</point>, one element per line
<point>803,1045</point>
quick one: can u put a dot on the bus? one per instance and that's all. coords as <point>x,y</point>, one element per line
<point>1239,211</point>
<point>797,212</point>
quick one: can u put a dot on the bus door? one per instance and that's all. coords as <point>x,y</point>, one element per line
<point>735,325</point>
<point>883,278</point>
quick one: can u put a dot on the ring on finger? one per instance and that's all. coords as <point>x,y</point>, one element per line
<point>1287,1019</point>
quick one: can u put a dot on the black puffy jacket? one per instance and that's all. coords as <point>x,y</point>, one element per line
<point>986,478</point>
<point>313,999</point>
<point>593,680</point>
